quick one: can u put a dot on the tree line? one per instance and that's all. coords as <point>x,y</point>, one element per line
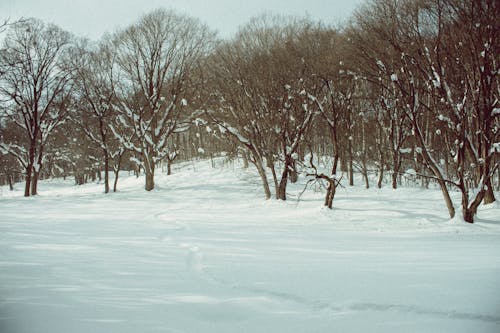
<point>405,87</point>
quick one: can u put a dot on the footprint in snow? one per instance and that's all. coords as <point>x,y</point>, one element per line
<point>193,258</point>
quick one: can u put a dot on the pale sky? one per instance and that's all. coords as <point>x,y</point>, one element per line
<point>92,18</point>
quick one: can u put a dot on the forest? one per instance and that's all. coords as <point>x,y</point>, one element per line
<point>404,89</point>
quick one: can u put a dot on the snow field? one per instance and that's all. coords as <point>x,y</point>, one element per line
<point>205,253</point>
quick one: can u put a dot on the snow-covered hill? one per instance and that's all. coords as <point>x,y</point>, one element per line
<point>205,253</point>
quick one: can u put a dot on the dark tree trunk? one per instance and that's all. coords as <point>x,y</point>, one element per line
<point>335,163</point>
<point>36,172</point>
<point>106,171</point>
<point>262,173</point>
<point>498,180</point>
<point>363,154</point>
<point>27,184</point>
<point>351,174</point>
<point>396,168</point>
<point>284,179</point>
<point>336,153</point>
<point>330,195</point>
<point>149,171</point>
<point>11,182</point>
<point>351,169</point>
<point>468,211</point>
<point>468,215</point>
<point>293,174</point>
<point>447,198</point>
<point>29,169</point>
<point>380,177</point>
<point>381,158</point>
<point>489,196</point>
<point>394,179</point>
<point>270,165</point>
<point>34,182</point>
<point>115,183</point>
<point>282,186</point>
<point>367,181</point>
<point>150,180</point>
<point>117,172</point>
<point>169,167</point>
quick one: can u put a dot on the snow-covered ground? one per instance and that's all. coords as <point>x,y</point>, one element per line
<point>205,253</point>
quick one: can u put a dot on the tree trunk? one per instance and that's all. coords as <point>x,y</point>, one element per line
<point>468,212</point>
<point>351,169</point>
<point>336,147</point>
<point>149,171</point>
<point>293,174</point>
<point>115,183</point>
<point>335,163</point>
<point>435,170</point>
<point>351,174</point>
<point>282,186</point>
<point>381,158</point>
<point>498,180</point>
<point>262,173</point>
<point>117,172</point>
<point>36,172</point>
<point>34,182</point>
<point>150,179</point>
<point>468,215</point>
<point>396,168</point>
<point>380,177</point>
<point>330,195</point>
<point>394,180</point>
<point>270,165</point>
<point>29,168</point>
<point>27,184</point>
<point>106,171</point>
<point>363,155</point>
<point>11,182</point>
<point>150,183</point>
<point>367,181</point>
<point>447,198</point>
<point>489,196</point>
<point>284,180</point>
<point>169,167</point>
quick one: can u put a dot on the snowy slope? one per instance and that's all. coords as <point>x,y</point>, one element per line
<point>205,253</point>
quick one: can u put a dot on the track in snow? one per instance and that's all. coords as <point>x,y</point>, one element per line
<point>205,253</point>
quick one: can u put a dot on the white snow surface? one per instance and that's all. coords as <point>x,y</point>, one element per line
<point>205,253</point>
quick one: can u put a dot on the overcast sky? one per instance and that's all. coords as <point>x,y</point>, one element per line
<point>92,18</point>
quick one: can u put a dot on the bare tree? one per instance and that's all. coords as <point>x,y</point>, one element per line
<point>463,61</point>
<point>35,83</point>
<point>94,80</point>
<point>264,94</point>
<point>442,68</point>
<point>155,56</point>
